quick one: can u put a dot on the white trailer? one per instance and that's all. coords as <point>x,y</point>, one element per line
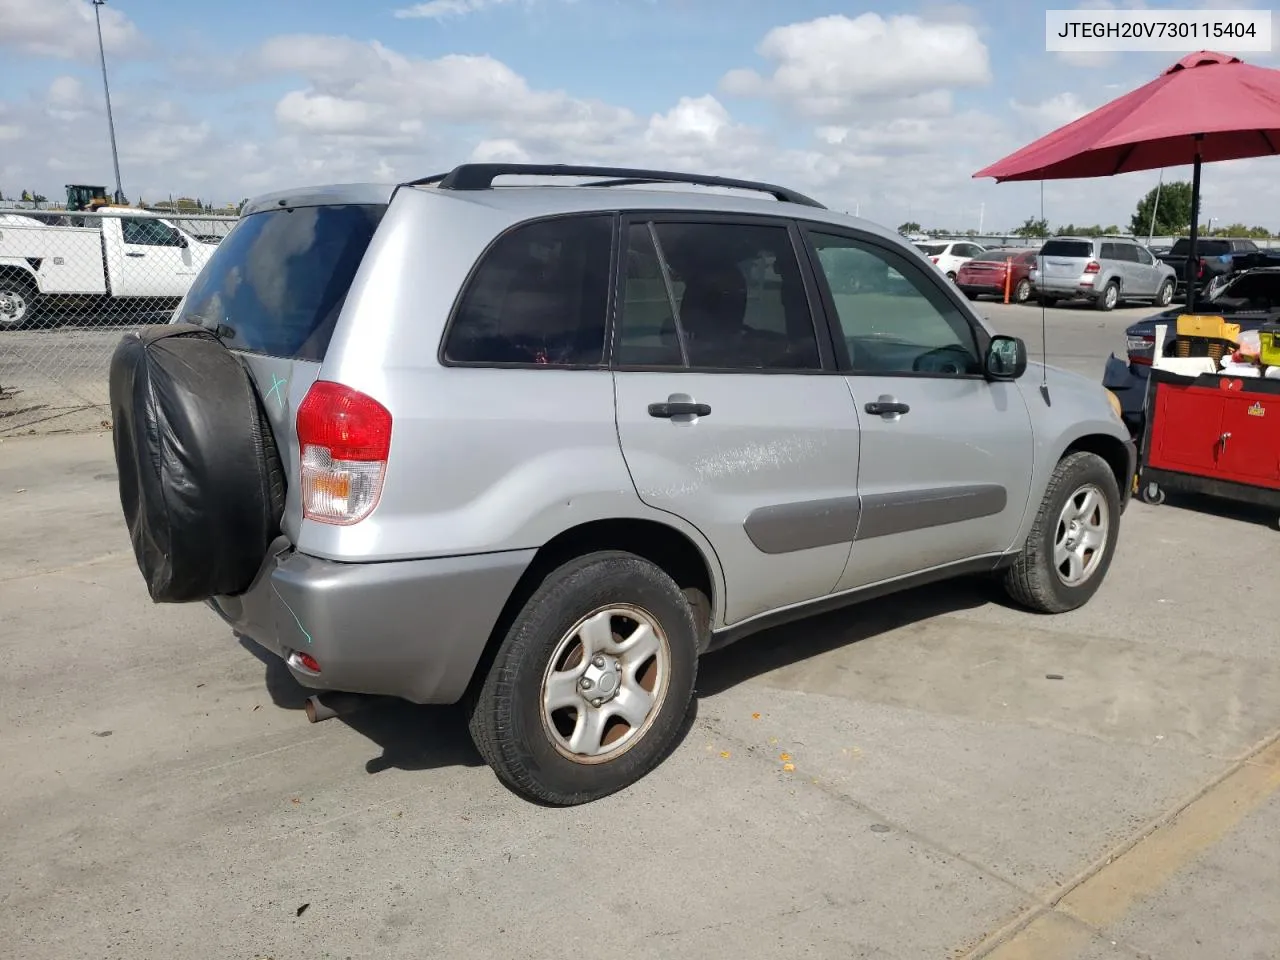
<point>117,263</point>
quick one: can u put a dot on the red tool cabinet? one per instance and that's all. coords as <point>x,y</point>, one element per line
<point>1218,435</point>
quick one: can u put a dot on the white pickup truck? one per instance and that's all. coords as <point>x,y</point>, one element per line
<point>111,267</point>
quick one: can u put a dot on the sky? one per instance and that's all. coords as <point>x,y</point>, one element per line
<point>883,109</point>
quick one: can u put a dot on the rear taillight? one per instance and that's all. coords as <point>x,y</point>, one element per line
<point>1140,348</point>
<point>1093,266</point>
<point>933,259</point>
<point>1200,272</point>
<point>344,437</point>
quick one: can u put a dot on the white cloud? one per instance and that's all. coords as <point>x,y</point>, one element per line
<point>64,29</point>
<point>443,9</point>
<point>829,66</point>
<point>1051,113</point>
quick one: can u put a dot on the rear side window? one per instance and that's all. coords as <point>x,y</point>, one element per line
<point>1067,248</point>
<point>540,296</point>
<point>277,282</point>
<point>1204,248</point>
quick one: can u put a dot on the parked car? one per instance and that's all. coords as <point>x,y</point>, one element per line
<point>950,255</point>
<point>129,257</point>
<point>1105,270</point>
<point>1250,299</point>
<point>537,448</point>
<point>1218,258</point>
<point>984,275</point>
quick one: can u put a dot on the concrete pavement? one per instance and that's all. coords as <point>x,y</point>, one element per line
<point>164,795</point>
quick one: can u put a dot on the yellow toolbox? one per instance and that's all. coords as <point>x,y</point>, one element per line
<point>1210,328</point>
<point>1269,334</point>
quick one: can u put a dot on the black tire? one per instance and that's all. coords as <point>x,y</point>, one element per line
<point>1151,493</point>
<point>1022,292</point>
<point>951,275</point>
<point>1049,301</point>
<point>18,294</point>
<point>1164,296</point>
<point>200,523</point>
<point>971,294</point>
<point>1109,298</point>
<point>1034,580</point>
<point>506,712</point>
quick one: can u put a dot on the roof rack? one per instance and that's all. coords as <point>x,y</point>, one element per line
<point>480,176</point>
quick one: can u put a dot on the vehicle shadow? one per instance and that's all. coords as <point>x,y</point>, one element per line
<point>1223,508</point>
<point>804,639</point>
<point>411,736</point>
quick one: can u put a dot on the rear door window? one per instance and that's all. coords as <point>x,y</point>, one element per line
<point>277,282</point>
<point>540,297</point>
<point>1067,248</point>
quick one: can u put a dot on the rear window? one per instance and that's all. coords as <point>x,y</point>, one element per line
<point>1067,248</point>
<point>1204,248</point>
<point>931,249</point>
<point>277,282</point>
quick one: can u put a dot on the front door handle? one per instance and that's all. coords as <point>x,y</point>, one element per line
<point>887,406</point>
<point>133,254</point>
<point>677,408</point>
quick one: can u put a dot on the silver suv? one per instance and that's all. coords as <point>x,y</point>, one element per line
<point>537,448</point>
<point>1105,270</point>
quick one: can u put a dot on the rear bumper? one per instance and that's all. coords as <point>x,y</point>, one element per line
<point>413,629</point>
<point>1064,287</point>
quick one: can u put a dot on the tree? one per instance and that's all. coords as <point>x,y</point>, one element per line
<point>1173,214</point>
<point>909,227</point>
<point>1032,227</point>
<point>26,196</point>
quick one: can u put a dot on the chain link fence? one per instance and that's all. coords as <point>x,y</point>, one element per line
<point>70,285</point>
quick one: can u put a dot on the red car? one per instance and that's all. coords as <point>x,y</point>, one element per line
<point>984,275</point>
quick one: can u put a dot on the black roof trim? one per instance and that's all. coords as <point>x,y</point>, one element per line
<point>480,176</point>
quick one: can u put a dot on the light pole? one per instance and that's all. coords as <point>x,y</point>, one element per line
<point>111,125</point>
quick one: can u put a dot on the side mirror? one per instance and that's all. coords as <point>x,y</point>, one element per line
<point>1006,358</point>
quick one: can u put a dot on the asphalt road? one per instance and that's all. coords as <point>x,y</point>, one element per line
<point>969,780</point>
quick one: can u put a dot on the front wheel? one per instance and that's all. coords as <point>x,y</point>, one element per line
<point>591,684</point>
<point>1068,551</point>
<point>1022,292</point>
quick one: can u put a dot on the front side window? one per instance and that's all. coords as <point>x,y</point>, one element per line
<point>893,319</point>
<point>540,296</point>
<point>714,296</point>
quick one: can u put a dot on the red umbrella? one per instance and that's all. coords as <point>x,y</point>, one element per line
<point>1206,107</point>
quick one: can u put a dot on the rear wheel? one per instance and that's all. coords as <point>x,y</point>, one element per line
<point>951,275</point>
<point>1109,298</point>
<point>1164,296</point>
<point>17,302</point>
<point>1068,551</point>
<point>590,686</point>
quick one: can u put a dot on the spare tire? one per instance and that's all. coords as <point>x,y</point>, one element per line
<point>201,482</point>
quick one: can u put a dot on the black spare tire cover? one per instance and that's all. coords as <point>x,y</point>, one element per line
<point>201,483</point>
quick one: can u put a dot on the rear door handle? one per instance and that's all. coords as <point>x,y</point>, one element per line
<point>132,254</point>
<point>886,406</point>
<point>666,411</point>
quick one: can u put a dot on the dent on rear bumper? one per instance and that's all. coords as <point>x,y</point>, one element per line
<point>413,629</point>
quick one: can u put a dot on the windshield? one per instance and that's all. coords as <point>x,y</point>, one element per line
<point>277,282</point>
